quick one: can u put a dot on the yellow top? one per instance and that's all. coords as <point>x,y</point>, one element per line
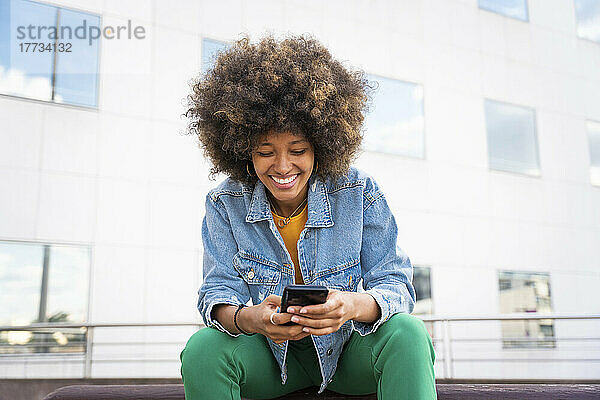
<point>290,234</point>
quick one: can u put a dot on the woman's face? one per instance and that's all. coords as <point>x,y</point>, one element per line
<point>284,163</point>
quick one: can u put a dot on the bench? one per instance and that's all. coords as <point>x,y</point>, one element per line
<point>446,391</point>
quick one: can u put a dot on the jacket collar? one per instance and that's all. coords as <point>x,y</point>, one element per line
<point>319,210</point>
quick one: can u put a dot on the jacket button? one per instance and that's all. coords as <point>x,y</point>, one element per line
<point>329,352</point>
<point>250,274</point>
<point>307,235</point>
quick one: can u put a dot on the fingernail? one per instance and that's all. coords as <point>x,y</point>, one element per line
<point>295,319</point>
<point>303,311</point>
<point>290,309</point>
<point>305,329</point>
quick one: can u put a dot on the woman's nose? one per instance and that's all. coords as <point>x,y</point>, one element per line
<point>282,164</point>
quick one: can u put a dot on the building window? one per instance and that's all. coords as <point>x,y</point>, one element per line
<point>511,138</point>
<point>422,284</point>
<point>587,13</point>
<point>510,8</point>
<point>522,292</point>
<point>210,50</point>
<point>593,129</point>
<point>43,283</point>
<point>47,53</point>
<point>395,123</point>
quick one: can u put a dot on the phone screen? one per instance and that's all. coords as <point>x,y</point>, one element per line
<point>302,295</point>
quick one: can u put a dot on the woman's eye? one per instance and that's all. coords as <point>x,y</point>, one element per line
<point>297,153</point>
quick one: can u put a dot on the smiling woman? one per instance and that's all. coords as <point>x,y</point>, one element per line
<point>284,163</point>
<point>289,86</point>
<point>283,120</point>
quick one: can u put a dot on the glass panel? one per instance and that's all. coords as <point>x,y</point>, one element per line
<point>593,129</point>
<point>422,284</point>
<point>77,70</point>
<point>4,36</point>
<point>68,284</point>
<point>20,282</point>
<point>210,51</point>
<point>512,142</point>
<point>22,298</point>
<point>424,305</point>
<point>395,123</point>
<point>24,70</point>
<point>29,55</point>
<point>511,8</point>
<point>588,19</point>
<point>526,293</point>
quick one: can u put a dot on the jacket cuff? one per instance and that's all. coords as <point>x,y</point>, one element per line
<point>212,322</point>
<point>364,328</point>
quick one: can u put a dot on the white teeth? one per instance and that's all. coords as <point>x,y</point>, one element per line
<point>284,181</point>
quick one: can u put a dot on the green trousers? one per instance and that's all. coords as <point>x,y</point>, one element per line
<point>396,362</point>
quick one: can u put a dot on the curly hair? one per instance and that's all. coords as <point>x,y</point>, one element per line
<point>292,85</point>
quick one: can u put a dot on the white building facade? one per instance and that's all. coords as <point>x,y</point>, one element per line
<point>492,175</point>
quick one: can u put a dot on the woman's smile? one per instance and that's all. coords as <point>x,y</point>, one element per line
<point>286,183</point>
<point>283,162</point>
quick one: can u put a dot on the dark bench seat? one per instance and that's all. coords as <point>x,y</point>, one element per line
<point>449,391</point>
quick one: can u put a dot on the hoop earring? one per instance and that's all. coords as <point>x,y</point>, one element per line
<point>248,170</point>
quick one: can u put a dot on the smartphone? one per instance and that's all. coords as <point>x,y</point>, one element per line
<point>302,295</point>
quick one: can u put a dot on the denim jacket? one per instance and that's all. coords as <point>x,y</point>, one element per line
<point>349,238</point>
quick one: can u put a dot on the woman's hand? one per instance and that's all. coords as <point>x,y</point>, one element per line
<point>326,318</point>
<point>257,319</point>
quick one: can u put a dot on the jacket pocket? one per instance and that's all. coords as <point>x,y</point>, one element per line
<point>256,270</point>
<point>344,276</point>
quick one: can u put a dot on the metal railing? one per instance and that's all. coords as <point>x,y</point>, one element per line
<point>446,340</point>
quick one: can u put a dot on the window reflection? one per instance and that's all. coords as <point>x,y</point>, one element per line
<point>395,122</point>
<point>41,283</point>
<point>588,19</point>
<point>68,284</point>
<point>26,74</point>
<point>76,71</point>
<point>49,75</point>
<point>510,8</point>
<point>522,292</point>
<point>210,50</point>
<point>422,285</point>
<point>593,129</point>
<point>20,280</point>
<point>512,142</point>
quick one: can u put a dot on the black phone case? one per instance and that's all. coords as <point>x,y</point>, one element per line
<point>302,295</point>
